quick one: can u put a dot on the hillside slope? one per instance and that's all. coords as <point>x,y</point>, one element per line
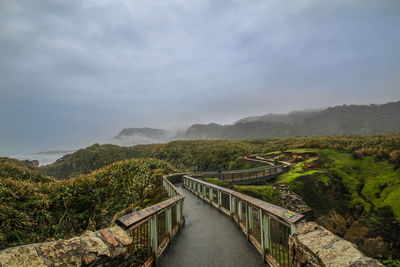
<point>211,154</point>
<point>338,120</point>
<point>35,212</point>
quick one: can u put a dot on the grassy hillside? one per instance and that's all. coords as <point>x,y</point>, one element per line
<point>33,211</point>
<point>86,160</point>
<point>17,171</point>
<point>211,154</point>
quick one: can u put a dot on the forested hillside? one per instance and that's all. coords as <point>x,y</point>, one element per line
<point>338,120</point>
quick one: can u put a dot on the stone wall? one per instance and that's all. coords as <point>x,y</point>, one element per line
<point>107,247</point>
<point>313,245</point>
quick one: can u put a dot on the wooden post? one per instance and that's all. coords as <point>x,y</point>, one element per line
<point>267,232</point>
<point>178,213</point>
<point>263,232</point>
<point>230,204</point>
<point>292,229</point>
<point>168,218</point>
<point>247,221</point>
<point>240,210</point>
<point>250,214</point>
<point>182,209</point>
<point>219,198</point>
<point>153,237</point>
<point>210,192</point>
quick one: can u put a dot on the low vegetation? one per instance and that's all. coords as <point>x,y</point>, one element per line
<point>264,192</point>
<point>34,211</point>
<point>205,155</point>
<point>21,172</point>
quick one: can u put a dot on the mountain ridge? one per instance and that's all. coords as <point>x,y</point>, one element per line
<point>337,120</point>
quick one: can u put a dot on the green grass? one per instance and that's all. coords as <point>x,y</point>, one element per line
<point>300,170</point>
<point>303,150</point>
<point>272,153</point>
<point>371,183</point>
<point>264,192</point>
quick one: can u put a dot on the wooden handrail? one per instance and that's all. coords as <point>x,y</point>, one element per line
<point>268,207</point>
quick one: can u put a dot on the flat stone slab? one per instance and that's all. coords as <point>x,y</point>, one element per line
<point>95,244</point>
<point>21,256</point>
<point>64,252</point>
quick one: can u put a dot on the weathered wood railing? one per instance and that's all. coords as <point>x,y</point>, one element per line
<point>259,159</point>
<point>152,228</point>
<point>267,226</point>
<point>244,176</point>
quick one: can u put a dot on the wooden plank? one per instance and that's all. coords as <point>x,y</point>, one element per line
<point>137,216</point>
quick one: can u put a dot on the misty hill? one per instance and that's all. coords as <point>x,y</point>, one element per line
<point>144,132</point>
<point>338,120</point>
<point>291,117</point>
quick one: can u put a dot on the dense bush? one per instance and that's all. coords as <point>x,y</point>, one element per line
<point>36,211</point>
<point>11,169</point>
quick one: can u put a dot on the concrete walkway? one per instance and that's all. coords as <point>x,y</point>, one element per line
<point>209,238</point>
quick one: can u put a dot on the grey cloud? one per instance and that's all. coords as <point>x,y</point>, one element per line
<point>74,72</point>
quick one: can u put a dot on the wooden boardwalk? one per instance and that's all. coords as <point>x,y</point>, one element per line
<point>249,176</point>
<point>209,238</point>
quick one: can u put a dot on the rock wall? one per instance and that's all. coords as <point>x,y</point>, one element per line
<point>313,245</point>
<point>107,247</point>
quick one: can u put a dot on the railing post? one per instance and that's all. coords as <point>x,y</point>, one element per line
<point>219,198</point>
<point>178,213</point>
<point>239,210</point>
<point>247,221</point>
<point>292,229</point>
<point>250,218</point>
<point>267,232</point>
<point>153,237</point>
<point>182,209</point>
<point>262,231</point>
<point>210,192</point>
<point>230,205</point>
<point>168,218</point>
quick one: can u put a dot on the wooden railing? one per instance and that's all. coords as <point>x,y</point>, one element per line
<point>267,226</point>
<point>152,228</point>
<point>244,176</point>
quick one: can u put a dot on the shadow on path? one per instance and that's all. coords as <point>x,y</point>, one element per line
<point>209,238</point>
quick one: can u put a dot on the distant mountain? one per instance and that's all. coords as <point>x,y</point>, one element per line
<point>144,132</point>
<point>291,117</point>
<point>338,120</point>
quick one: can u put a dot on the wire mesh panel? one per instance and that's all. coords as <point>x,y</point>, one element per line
<point>215,196</point>
<point>279,243</point>
<point>207,190</point>
<point>225,201</point>
<point>174,221</point>
<point>244,214</point>
<point>162,231</point>
<point>235,206</point>
<point>255,229</point>
<point>140,248</point>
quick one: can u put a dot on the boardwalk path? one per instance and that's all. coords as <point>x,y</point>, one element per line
<point>209,239</point>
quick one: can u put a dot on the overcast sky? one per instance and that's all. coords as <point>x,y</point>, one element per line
<point>74,72</point>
